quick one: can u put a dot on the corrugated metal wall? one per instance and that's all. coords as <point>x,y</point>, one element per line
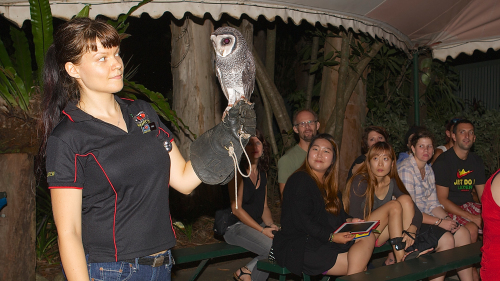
<point>480,81</point>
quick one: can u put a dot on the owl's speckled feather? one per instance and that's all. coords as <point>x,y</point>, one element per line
<point>234,64</point>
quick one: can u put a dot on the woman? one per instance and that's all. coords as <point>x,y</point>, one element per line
<point>491,230</point>
<point>369,195</point>
<point>109,162</point>
<point>251,225</point>
<point>409,134</point>
<point>371,135</point>
<point>449,140</point>
<point>312,210</point>
<point>418,179</point>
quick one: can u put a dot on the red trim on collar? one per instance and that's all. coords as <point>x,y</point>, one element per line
<point>127,99</point>
<point>71,187</point>
<point>64,112</point>
<point>114,190</point>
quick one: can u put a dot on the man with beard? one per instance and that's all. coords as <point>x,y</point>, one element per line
<point>306,125</point>
<point>457,172</point>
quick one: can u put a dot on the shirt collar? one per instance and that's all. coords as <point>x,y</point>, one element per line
<point>413,163</point>
<point>75,114</point>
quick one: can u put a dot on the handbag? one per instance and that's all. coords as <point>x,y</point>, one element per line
<point>222,220</point>
<point>425,240</point>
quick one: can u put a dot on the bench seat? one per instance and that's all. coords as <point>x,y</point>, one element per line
<point>423,267</point>
<point>204,253</point>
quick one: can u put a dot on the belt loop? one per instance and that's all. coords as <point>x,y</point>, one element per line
<point>137,263</point>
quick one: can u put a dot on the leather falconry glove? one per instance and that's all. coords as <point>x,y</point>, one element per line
<point>210,156</point>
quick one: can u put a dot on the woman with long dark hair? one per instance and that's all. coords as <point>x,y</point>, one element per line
<point>369,195</point>
<point>371,135</point>
<point>311,212</point>
<point>110,161</point>
<point>251,225</point>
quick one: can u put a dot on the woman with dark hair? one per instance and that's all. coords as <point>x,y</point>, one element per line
<point>251,225</point>
<point>448,139</point>
<point>407,152</point>
<point>439,230</point>
<point>371,135</point>
<point>311,212</point>
<point>110,162</point>
<point>369,195</point>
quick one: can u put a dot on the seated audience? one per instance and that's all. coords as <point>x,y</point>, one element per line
<point>312,210</point>
<point>418,179</point>
<point>449,140</point>
<point>251,225</point>
<point>369,195</point>
<point>371,135</point>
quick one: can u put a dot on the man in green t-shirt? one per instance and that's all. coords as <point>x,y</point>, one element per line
<point>306,125</point>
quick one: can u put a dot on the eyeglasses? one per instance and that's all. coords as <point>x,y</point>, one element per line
<point>306,123</point>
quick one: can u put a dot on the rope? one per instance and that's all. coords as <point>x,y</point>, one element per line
<point>235,162</point>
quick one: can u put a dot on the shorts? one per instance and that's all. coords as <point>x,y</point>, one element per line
<point>470,207</point>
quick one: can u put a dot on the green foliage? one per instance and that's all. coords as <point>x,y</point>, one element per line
<point>46,238</point>
<point>42,30</point>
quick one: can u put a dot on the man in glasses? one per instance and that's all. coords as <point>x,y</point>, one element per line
<point>306,125</point>
<point>458,171</point>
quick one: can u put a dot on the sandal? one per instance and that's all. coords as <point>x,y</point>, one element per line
<point>238,276</point>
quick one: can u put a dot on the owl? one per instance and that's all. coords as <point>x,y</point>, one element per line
<point>234,65</point>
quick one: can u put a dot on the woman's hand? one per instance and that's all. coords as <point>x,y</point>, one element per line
<point>407,239</point>
<point>449,225</point>
<point>356,220</point>
<point>268,231</point>
<point>274,227</point>
<point>342,237</point>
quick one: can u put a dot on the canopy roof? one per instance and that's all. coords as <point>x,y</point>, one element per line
<point>448,27</point>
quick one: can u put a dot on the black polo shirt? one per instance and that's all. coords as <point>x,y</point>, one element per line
<point>124,178</point>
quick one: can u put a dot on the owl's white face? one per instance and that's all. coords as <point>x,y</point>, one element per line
<point>223,44</point>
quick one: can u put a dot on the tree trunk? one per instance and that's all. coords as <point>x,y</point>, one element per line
<point>354,121</point>
<point>310,82</point>
<point>17,220</point>
<point>196,99</point>
<point>196,96</point>
<point>329,84</point>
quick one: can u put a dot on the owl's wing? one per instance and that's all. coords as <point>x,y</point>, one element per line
<point>222,85</point>
<point>248,76</point>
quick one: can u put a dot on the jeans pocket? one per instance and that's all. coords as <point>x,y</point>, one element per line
<point>110,271</point>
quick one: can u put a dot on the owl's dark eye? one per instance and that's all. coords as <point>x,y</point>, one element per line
<point>226,41</point>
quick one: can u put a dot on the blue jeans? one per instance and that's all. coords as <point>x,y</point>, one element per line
<point>121,271</point>
<point>253,240</point>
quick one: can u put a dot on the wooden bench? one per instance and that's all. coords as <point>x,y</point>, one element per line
<point>204,253</point>
<point>423,267</point>
<point>266,265</point>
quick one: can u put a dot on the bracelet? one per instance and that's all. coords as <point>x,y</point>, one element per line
<point>438,222</point>
<point>331,237</point>
<point>262,231</point>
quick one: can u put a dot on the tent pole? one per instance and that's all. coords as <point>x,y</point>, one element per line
<point>415,89</point>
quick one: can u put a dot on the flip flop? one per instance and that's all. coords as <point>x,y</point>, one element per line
<point>238,276</point>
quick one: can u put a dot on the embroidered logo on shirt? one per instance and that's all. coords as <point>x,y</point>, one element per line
<point>141,119</point>
<point>463,173</point>
<point>51,174</point>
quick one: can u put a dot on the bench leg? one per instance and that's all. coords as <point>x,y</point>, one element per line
<point>198,269</point>
<point>282,277</point>
<point>306,277</point>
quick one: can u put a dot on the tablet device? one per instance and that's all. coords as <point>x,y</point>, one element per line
<point>358,227</point>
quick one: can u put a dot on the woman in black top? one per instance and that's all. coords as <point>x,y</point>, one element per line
<point>312,210</point>
<point>110,162</point>
<point>251,225</point>
<point>371,135</point>
<point>369,195</point>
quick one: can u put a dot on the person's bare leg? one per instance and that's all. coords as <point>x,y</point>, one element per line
<point>446,242</point>
<point>359,254</point>
<point>462,237</point>
<point>408,210</point>
<point>390,214</point>
<point>340,266</point>
<point>473,230</point>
